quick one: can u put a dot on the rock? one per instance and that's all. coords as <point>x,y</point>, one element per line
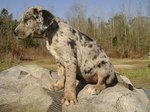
<point>22,89</point>
<point>26,89</point>
<point>113,99</point>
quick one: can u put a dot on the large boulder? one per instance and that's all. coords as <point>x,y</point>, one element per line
<point>27,89</point>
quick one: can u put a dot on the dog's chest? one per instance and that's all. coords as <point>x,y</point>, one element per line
<point>52,50</point>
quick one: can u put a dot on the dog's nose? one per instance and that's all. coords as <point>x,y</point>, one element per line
<point>16,33</point>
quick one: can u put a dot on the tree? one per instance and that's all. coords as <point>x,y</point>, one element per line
<point>76,16</point>
<point>4,12</point>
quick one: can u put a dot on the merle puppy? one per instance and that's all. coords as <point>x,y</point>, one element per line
<point>77,55</point>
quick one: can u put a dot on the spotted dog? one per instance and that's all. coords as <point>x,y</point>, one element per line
<point>77,55</point>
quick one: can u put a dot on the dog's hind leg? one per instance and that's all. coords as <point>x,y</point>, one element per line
<point>96,89</point>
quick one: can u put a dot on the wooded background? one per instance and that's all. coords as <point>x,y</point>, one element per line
<point>123,35</point>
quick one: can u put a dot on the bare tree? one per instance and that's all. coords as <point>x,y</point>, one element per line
<point>76,16</point>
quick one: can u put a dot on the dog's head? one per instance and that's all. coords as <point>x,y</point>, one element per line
<point>34,22</point>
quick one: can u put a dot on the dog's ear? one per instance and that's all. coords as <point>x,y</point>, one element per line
<point>48,22</point>
<point>47,17</point>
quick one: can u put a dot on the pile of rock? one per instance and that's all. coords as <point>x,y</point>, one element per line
<point>26,89</point>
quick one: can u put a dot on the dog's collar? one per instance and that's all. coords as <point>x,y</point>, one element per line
<point>51,29</point>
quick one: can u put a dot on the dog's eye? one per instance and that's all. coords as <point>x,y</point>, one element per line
<point>25,20</point>
<point>28,19</point>
<point>32,17</point>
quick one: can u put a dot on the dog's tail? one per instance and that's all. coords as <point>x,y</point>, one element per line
<point>124,81</point>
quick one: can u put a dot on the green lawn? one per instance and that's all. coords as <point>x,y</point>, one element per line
<point>2,66</point>
<point>140,77</point>
<point>136,70</point>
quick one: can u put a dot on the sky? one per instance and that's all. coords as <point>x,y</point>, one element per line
<point>104,8</point>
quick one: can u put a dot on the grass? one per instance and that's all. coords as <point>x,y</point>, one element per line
<point>136,70</point>
<point>4,66</point>
<point>140,77</point>
<point>135,73</point>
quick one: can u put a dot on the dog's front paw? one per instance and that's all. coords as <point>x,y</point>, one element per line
<point>69,99</point>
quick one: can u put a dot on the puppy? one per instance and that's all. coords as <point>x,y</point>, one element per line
<point>77,55</point>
